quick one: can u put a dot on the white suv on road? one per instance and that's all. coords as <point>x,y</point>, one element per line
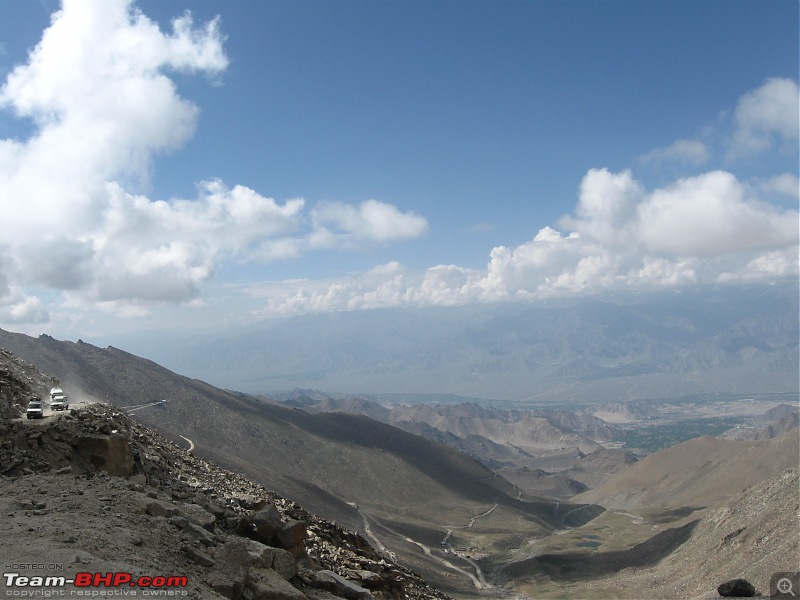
<point>59,402</point>
<point>35,409</point>
<point>58,399</point>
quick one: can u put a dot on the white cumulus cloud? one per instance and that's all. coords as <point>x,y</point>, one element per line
<point>605,205</point>
<point>702,229</point>
<point>765,116</point>
<point>710,215</point>
<point>690,152</point>
<point>787,184</point>
<point>336,223</point>
<point>98,89</point>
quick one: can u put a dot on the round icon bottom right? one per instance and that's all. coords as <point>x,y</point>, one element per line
<point>784,585</point>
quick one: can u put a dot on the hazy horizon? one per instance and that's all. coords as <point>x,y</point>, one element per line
<point>728,339</point>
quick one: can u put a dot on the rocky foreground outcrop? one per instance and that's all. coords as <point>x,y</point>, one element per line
<point>91,490</point>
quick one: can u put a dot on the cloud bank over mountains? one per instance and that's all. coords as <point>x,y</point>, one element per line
<point>700,230</point>
<point>80,235</point>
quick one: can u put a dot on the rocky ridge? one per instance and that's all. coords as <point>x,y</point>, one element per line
<point>93,490</point>
<point>495,437</point>
<point>773,423</point>
<point>751,536</point>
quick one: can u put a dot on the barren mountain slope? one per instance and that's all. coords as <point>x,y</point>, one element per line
<point>773,423</point>
<point>349,456</point>
<point>598,467</point>
<point>496,437</point>
<point>92,491</point>
<point>696,473</point>
<point>523,429</point>
<point>555,485</point>
<point>752,536</point>
<point>348,468</point>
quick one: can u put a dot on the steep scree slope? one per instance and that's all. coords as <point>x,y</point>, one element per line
<point>167,512</point>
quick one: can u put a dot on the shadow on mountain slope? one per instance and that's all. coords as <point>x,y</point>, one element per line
<point>454,470</point>
<point>283,446</point>
<point>575,566</point>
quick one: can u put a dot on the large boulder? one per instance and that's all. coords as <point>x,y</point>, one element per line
<point>247,568</point>
<point>159,509</point>
<point>737,588</point>
<point>110,453</point>
<point>267,522</point>
<point>277,559</point>
<point>229,574</point>
<point>335,583</point>
<point>266,584</point>
<point>198,515</point>
<point>292,536</point>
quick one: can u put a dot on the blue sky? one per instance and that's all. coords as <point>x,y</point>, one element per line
<point>276,157</point>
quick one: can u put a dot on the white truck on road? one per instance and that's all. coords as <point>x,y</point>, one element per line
<point>58,399</point>
<point>35,409</point>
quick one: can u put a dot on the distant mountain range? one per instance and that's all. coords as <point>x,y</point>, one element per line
<point>499,438</point>
<point>773,423</point>
<point>360,472</point>
<point>467,528</point>
<point>726,340</point>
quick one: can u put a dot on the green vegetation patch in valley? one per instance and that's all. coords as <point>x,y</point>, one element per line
<point>657,437</point>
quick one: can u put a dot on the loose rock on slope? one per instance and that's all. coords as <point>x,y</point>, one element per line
<point>93,491</point>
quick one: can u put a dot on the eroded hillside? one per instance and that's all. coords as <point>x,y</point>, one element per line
<point>92,490</point>
<point>697,473</point>
<point>751,536</point>
<point>679,523</point>
<point>419,503</point>
<point>406,493</point>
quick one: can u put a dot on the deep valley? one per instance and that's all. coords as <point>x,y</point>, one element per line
<point>483,501</point>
